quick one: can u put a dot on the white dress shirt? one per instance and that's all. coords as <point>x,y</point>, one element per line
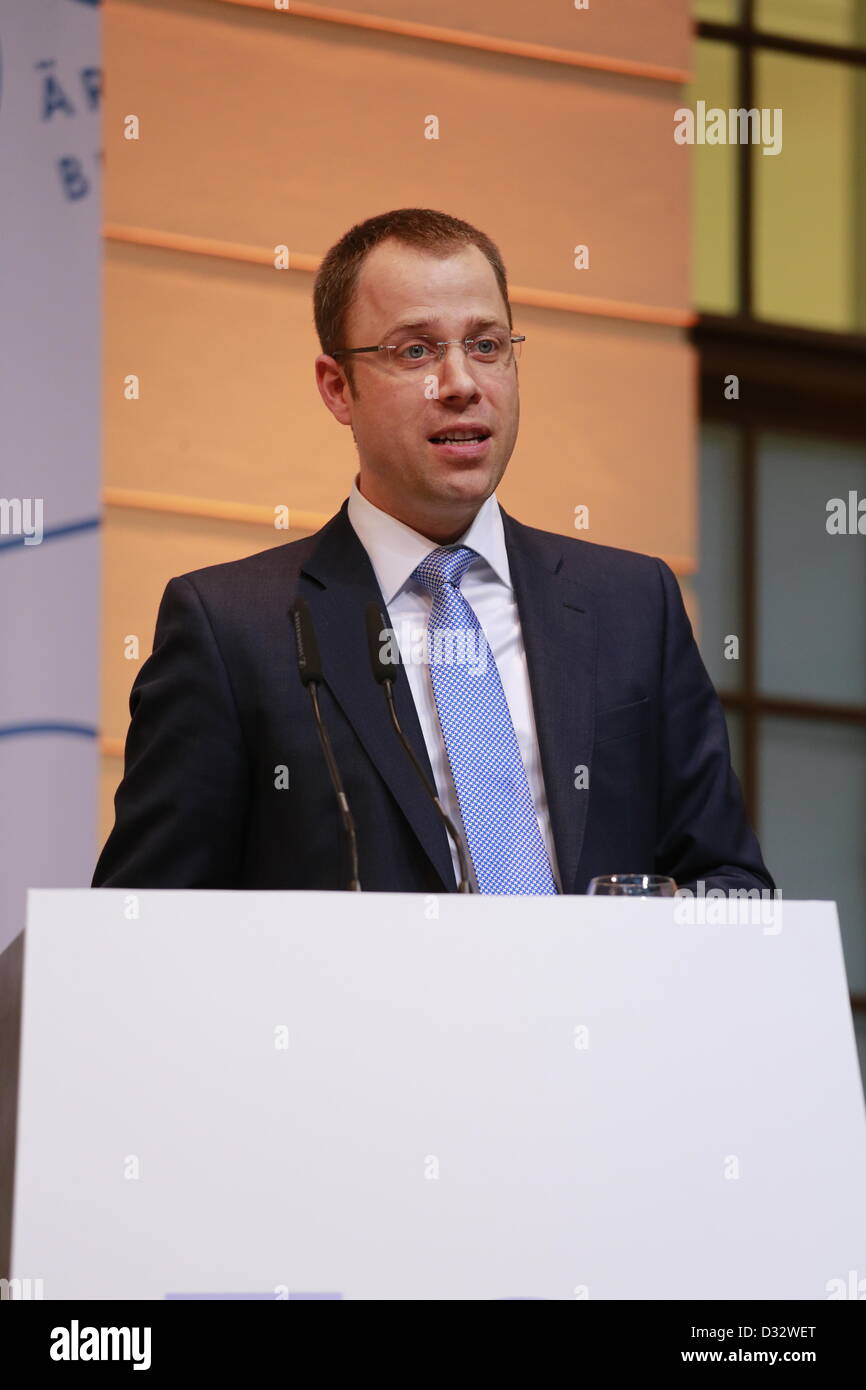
<point>395,550</point>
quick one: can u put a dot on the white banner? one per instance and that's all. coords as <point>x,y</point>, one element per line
<point>50,330</point>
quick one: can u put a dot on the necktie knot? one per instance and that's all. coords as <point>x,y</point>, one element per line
<point>447,565</point>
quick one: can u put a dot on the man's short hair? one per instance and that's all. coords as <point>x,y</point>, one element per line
<point>423,228</point>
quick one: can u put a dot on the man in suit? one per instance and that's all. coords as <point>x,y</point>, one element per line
<point>567,722</point>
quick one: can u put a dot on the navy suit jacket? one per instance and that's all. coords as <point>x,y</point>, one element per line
<point>218,709</point>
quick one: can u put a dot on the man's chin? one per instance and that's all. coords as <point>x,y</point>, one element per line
<point>464,477</point>
<point>470,489</point>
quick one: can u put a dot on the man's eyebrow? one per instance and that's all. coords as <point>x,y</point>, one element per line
<point>417,325</point>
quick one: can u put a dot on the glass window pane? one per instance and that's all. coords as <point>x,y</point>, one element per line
<point>713,170</point>
<point>810,204</point>
<point>823,21</point>
<point>718,582</point>
<point>813,821</point>
<point>719,11</point>
<point>734,722</point>
<point>810,584</point>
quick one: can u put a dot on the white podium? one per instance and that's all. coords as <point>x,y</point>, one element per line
<point>390,1096</point>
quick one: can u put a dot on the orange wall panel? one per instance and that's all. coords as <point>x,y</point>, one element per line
<point>286,135</point>
<point>263,131</point>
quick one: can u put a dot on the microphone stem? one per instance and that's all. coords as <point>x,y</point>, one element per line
<point>336,782</point>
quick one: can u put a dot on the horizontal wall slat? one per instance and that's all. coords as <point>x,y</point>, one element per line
<point>211,509</point>
<point>304,261</point>
<point>619,43</point>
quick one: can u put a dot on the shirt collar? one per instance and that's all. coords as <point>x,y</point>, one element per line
<point>395,549</point>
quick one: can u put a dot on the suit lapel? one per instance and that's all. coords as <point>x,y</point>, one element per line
<point>559,634</point>
<point>340,583</point>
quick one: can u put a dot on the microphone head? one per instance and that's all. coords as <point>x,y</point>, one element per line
<point>309,660</point>
<point>382,642</point>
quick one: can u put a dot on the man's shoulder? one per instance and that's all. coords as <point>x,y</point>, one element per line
<point>277,561</point>
<point>264,572</point>
<point>598,566</point>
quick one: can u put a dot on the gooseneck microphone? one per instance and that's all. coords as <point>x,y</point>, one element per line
<point>310,669</point>
<point>385,673</point>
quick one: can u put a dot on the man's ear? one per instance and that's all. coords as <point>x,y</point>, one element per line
<point>334,388</point>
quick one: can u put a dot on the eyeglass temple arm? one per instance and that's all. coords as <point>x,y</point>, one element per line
<point>344,352</point>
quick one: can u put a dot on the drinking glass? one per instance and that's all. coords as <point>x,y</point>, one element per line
<point>632,886</point>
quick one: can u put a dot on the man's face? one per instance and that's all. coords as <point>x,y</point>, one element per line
<point>395,412</point>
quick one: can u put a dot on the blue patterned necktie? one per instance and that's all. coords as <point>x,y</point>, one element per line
<point>499,817</point>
